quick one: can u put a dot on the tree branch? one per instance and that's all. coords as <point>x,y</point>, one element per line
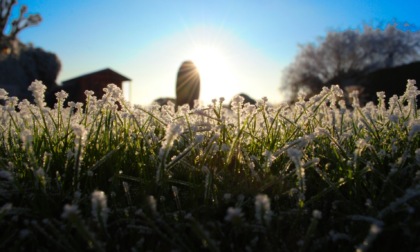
<point>23,22</point>
<point>5,10</point>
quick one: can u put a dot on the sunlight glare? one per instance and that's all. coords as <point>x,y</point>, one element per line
<point>216,73</point>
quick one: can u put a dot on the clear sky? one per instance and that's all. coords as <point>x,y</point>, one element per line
<point>238,46</point>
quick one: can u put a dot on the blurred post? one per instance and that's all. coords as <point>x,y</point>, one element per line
<point>187,84</point>
<point>127,90</point>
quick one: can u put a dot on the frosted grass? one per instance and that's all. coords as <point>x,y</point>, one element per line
<point>106,175</point>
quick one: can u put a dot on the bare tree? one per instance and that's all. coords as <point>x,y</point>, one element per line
<point>5,11</point>
<point>349,54</point>
<point>22,22</point>
<point>20,63</point>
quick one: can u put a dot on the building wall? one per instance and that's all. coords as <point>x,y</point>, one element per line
<point>95,83</point>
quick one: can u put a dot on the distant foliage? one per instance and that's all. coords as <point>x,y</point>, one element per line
<point>350,53</point>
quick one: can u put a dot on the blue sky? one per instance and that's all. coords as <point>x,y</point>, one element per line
<point>148,40</point>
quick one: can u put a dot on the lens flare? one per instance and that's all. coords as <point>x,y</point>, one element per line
<point>216,72</point>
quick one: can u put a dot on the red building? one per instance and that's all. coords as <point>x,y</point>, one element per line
<point>95,82</point>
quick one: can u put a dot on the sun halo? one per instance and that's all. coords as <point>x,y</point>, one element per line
<point>216,72</point>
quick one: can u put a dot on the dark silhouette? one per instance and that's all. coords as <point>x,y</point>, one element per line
<point>352,53</point>
<point>25,65</point>
<point>164,101</point>
<point>20,64</point>
<point>187,84</point>
<point>95,82</point>
<point>390,80</point>
<point>248,99</point>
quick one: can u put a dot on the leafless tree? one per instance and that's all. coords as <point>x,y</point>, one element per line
<point>22,22</point>
<point>20,63</point>
<point>349,54</point>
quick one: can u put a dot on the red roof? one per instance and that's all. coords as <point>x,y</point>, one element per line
<point>108,72</point>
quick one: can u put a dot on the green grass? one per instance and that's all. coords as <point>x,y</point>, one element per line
<point>108,176</point>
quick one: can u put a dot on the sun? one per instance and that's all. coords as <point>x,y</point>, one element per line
<point>216,72</point>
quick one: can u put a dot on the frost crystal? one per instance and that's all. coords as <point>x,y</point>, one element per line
<point>233,213</point>
<point>99,206</point>
<point>152,204</point>
<point>3,94</point>
<point>62,95</point>
<point>80,133</point>
<point>337,91</point>
<point>38,91</point>
<point>411,91</point>
<point>237,102</point>
<point>295,155</point>
<point>172,133</point>
<point>373,233</point>
<point>317,214</point>
<point>69,210</point>
<point>262,208</point>
<point>415,128</point>
<point>26,137</point>
<point>6,207</point>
